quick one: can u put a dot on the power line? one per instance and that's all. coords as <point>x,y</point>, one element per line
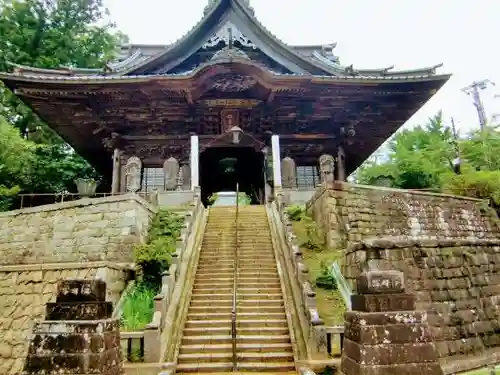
<point>474,90</point>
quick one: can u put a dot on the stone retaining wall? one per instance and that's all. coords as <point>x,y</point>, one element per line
<point>457,282</point>
<point>85,230</point>
<point>350,213</point>
<point>448,248</point>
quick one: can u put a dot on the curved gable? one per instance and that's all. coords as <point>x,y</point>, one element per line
<point>239,15</point>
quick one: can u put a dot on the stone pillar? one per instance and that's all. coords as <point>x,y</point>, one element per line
<point>327,169</point>
<point>171,169</point>
<point>115,182</point>
<point>186,176</point>
<point>275,144</point>
<point>341,174</point>
<point>133,170</point>
<point>289,173</point>
<point>383,332</point>
<point>195,162</point>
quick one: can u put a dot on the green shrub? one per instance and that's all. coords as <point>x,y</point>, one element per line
<point>296,212</point>
<point>326,280</point>
<point>138,308</point>
<point>154,257</point>
<point>475,184</point>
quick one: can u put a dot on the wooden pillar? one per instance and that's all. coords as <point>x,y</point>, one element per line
<point>341,174</point>
<point>115,182</point>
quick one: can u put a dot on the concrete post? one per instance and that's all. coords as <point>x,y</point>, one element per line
<point>195,162</point>
<point>275,144</point>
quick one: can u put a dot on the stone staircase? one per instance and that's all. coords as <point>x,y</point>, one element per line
<point>262,336</point>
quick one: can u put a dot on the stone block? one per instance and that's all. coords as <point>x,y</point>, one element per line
<point>81,291</point>
<point>380,282</point>
<point>79,310</point>
<point>383,302</point>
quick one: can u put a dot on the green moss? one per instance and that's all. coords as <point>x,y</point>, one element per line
<point>318,259</point>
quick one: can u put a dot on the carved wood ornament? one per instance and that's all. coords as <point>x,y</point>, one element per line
<point>229,119</point>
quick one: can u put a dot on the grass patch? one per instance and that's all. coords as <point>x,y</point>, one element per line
<point>318,259</point>
<point>138,308</point>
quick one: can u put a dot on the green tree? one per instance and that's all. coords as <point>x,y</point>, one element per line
<point>47,34</point>
<point>52,34</point>
<point>417,158</point>
<point>16,155</point>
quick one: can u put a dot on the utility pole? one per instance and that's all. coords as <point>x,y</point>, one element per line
<point>473,90</point>
<point>457,162</point>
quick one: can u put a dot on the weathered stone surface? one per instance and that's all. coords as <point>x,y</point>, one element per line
<point>79,310</point>
<point>357,212</point>
<point>383,303</point>
<point>447,247</point>
<point>23,296</point>
<point>86,344</point>
<point>81,291</point>
<point>377,282</point>
<point>378,339</point>
<point>78,231</point>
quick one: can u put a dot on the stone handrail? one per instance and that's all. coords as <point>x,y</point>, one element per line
<point>170,279</point>
<point>342,285</point>
<point>118,310</point>
<point>312,326</point>
<point>180,284</point>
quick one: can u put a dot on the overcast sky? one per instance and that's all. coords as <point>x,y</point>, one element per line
<point>462,34</point>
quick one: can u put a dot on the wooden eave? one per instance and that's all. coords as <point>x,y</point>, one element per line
<point>63,102</point>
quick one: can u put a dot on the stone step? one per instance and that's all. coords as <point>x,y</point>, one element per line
<point>244,309</point>
<point>263,330</point>
<point>206,340</point>
<point>261,315</point>
<point>259,297</point>
<point>278,301</point>
<point>206,308</point>
<point>204,357</point>
<point>207,331</point>
<point>210,302</point>
<point>266,366</point>
<point>263,339</point>
<point>208,275</point>
<point>244,290</point>
<point>240,339</point>
<point>196,367</point>
<point>241,348</point>
<point>259,323</point>
<point>284,356</point>
<point>256,284</point>
<point>208,323</point>
<point>212,297</point>
<point>225,315</point>
<point>215,289</point>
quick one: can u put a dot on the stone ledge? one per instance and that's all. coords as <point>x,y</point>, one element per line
<point>84,202</point>
<point>67,266</point>
<point>401,242</point>
<point>345,186</point>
